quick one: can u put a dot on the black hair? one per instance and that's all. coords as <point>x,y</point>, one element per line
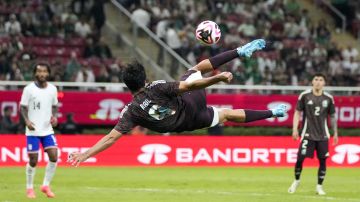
<point>319,75</point>
<point>7,108</point>
<point>41,64</point>
<point>134,76</point>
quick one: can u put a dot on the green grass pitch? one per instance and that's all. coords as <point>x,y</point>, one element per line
<point>185,184</point>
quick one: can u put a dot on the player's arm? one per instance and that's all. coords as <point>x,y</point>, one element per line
<point>104,143</point>
<point>24,113</point>
<point>296,120</point>
<point>333,121</point>
<point>54,111</point>
<point>185,86</point>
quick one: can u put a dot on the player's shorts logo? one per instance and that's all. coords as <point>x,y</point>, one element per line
<point>346,153</point>
<point>154,153</point>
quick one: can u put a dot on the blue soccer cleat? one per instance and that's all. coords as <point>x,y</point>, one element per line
<point>279,111</point>
<point>248,49</point>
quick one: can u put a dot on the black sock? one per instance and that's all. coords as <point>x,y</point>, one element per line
<point>223,58</point>
<point>254,115</point>
<point>322,171</point>
<point>298,168</point>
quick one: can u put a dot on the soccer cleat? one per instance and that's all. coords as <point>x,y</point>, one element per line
<point>46,190</point>
<point>319,190</point>
<point>279,111</point>
<point>294,186</point>
<point>30,193</point>
<point>248,49</point>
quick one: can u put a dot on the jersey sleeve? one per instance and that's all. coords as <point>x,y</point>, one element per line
<point>25,96</point>
<point>300,103</point>
<point>169,88</point>
<point>125,124</point>
<point>55,97</point>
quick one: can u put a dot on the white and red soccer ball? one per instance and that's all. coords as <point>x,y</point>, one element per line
<point>208,32</point>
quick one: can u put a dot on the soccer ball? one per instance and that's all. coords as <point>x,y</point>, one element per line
<point>208,32</point>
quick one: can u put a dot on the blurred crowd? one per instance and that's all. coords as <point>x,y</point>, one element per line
<point>297,46</point>
<point>66,34</point>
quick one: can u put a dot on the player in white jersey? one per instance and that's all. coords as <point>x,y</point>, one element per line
<point>39,110</point>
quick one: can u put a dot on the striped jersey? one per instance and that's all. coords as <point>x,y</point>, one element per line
<point>316,110</point>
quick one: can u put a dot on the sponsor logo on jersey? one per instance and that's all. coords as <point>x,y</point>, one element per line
<point>310,102</point>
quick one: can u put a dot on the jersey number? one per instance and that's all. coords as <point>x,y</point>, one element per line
<point>36,105</point>
<point>317,111</point>
<point>159,112</point>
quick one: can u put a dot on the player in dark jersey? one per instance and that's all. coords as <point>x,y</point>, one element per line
<point>178,106</point>
<point>316,106</point>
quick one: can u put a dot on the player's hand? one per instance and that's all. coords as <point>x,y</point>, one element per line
<point>335,139</point>
<point>295,134</point>
<point>30,124</point>
<point>76,158</point>
<point>53,121</point>
<point>225,76</point>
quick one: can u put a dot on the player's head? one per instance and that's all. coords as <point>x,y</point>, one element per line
<point>134,76</point>
<point>41,71</point>
<point>318,81</point>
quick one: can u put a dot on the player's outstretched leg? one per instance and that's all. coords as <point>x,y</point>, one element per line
<point>247,115</point>
<point>212,63</point>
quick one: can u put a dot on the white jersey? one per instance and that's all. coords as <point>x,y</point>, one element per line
<point>39,102</point>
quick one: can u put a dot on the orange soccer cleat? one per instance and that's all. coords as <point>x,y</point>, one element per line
<point>30,193</point>
<point>46,190</point>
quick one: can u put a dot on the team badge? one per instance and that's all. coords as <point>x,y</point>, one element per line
<point>325,103</point>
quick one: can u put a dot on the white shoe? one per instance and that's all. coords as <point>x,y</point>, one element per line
<point>319,190</point>
<point>294,186</point>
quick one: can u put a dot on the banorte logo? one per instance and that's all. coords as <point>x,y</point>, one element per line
<point>346,153</point>
<point>272,105</point>
<point>109,109</point>
<point>154,153</point>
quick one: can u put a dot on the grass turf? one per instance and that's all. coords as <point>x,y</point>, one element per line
<point>181,184</point>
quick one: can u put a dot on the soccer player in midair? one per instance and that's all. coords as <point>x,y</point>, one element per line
<point>178,106</point>
<point>316,105</point>
<point>39,110</point>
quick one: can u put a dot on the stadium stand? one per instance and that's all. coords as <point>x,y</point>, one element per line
<point>65,34</point>
<point>298,46</point>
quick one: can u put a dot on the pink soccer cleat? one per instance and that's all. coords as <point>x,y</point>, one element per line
<point>46,190</point>
<point>30,193</point>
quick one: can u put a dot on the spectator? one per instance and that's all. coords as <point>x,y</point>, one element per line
<point>7,124</point>
<point>141,17</point>
<point>28,28</point>
<point>2,26</point>
<point>247,29</point>
<point>173,40</point>
<point>102,50</point>
<point>69,126</point>
<point>13,27</point>
<point>89,50</point>
<point>103,75</point>
<point>114,88</point>
<point>97,12</point>
<point>349,52</point>
<point>72,68</point>
<point>69,26</point>
<point>82,28</point>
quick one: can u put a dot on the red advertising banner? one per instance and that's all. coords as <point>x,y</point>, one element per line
<point>103,108</point>
<point>184,151</point>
